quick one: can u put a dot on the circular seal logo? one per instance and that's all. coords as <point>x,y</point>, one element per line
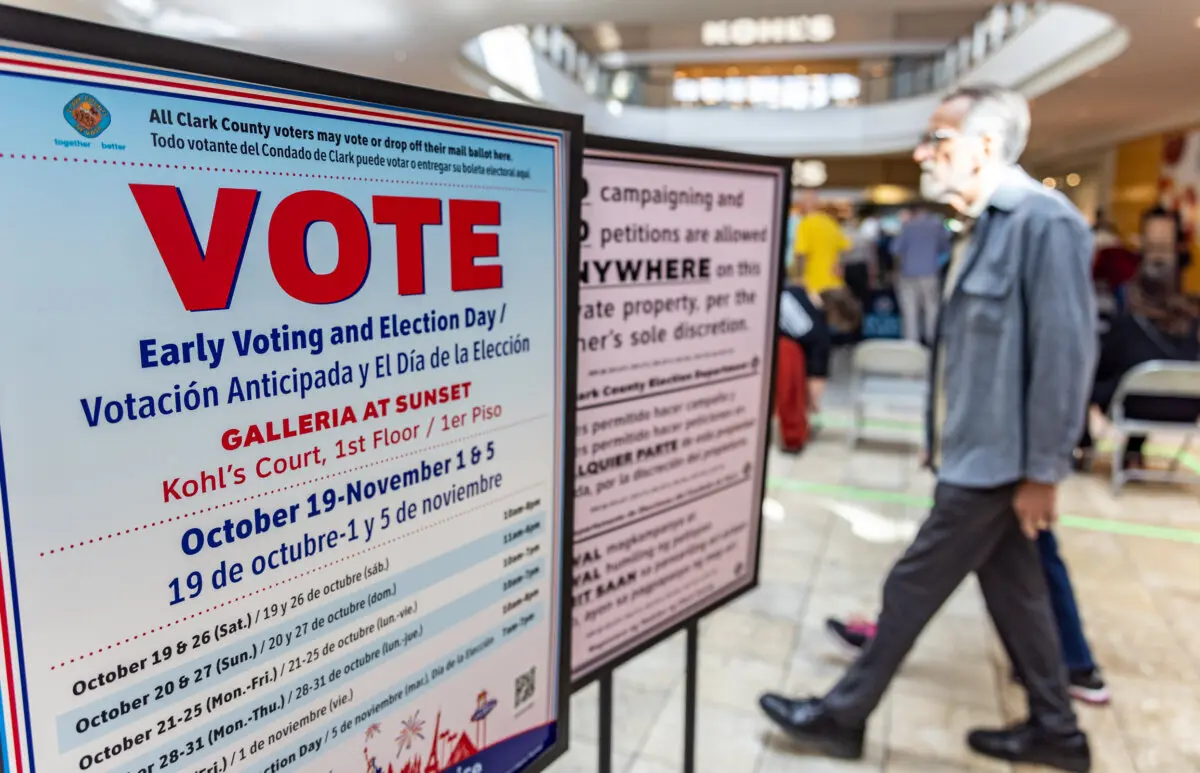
<point>87,115</point>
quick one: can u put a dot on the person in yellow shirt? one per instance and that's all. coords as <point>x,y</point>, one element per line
<point>820,242</point>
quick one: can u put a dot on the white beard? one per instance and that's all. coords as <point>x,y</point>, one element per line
<point>933,190</point>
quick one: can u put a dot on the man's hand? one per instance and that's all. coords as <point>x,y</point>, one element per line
<point>1035,507</point>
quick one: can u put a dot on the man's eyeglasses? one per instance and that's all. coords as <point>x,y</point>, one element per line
<point>937,137</point>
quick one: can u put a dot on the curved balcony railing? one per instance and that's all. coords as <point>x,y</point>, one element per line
<point>1056,44</point>
<point>906,77</point>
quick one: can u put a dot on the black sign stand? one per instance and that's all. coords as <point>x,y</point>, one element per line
<point>690,696</point>
<point>606,701</point>
<point>690,686</point>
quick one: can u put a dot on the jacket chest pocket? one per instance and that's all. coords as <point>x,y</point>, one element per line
<point>986,295</point>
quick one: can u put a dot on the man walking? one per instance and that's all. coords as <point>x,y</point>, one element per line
<point>1013,358</point>
<point>917,250</point>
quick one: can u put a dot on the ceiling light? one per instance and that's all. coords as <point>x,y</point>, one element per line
<point>809,174</point>
<point>508,57</point>
<point>1050,183</point>
<point>615,108</point>
<point>888,194</point>
<point>1073,179</point>
<point>607,36</point>
<point>178,24</point>
<point>622,84</point>
<point>140,7</point>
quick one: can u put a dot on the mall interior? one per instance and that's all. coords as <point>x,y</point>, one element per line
<point>844,89</point>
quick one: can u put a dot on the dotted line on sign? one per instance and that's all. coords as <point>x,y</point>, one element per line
<point>261,172</point>
<point>230,602</point>
<point>223,505</point>
<point>658,363</point>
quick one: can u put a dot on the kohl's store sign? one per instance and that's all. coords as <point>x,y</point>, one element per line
<point>747,31</point>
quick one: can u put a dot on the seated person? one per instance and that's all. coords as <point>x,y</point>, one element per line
<point>1159,324</point>
<point>1112,270</point>
<point>807,323</point>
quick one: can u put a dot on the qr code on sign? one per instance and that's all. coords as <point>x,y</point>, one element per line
<point>526,687</point>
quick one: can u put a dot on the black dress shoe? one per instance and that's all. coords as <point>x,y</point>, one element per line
<point>1031,744</point>
<point>807,723</point>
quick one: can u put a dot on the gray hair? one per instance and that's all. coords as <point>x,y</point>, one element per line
<point>997,112</point>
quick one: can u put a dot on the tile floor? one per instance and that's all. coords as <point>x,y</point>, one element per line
<point>843,519</point>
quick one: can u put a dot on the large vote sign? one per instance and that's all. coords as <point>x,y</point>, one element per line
<point>284,381</point>
<point>679,290</point>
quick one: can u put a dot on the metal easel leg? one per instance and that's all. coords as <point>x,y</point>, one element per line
<point>690,697</point>
<point>606,702</point>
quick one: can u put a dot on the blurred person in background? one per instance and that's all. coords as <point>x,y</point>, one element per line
<point>1105,233</point>
<point>918,249</point>
<point>801,208</point>
<point>794,217</point>
<point>860,264</point>
<point>870,223</point>
<point>1009,379</point>
<point>819,245</point>
<point>808,322</point>
<point>1160,324</point>
<point>889,228</point>
<point>1163,238</point>
<point>1114,266</point>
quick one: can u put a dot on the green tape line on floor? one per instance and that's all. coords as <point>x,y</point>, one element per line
<point>915,500</point>
<point>843,422</point>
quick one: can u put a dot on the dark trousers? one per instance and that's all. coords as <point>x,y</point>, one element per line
<point>858,281</point>
<point>1075,650</point>
<point>968,530</point>
<point>1076,653</point>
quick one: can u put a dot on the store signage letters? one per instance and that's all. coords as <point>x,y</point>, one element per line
<point>746,31</point>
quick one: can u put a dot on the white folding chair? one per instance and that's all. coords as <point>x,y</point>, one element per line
<point>1157,378</point>
<point>887,374</point>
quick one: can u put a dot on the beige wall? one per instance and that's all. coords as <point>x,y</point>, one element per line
<point>871,171</point>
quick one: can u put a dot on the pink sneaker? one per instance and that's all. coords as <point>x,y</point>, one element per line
<point>852,635</point>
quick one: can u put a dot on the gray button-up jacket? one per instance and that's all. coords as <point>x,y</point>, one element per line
<point>1018,335</point>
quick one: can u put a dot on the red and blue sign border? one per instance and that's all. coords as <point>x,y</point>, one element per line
<point>105,57</point>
